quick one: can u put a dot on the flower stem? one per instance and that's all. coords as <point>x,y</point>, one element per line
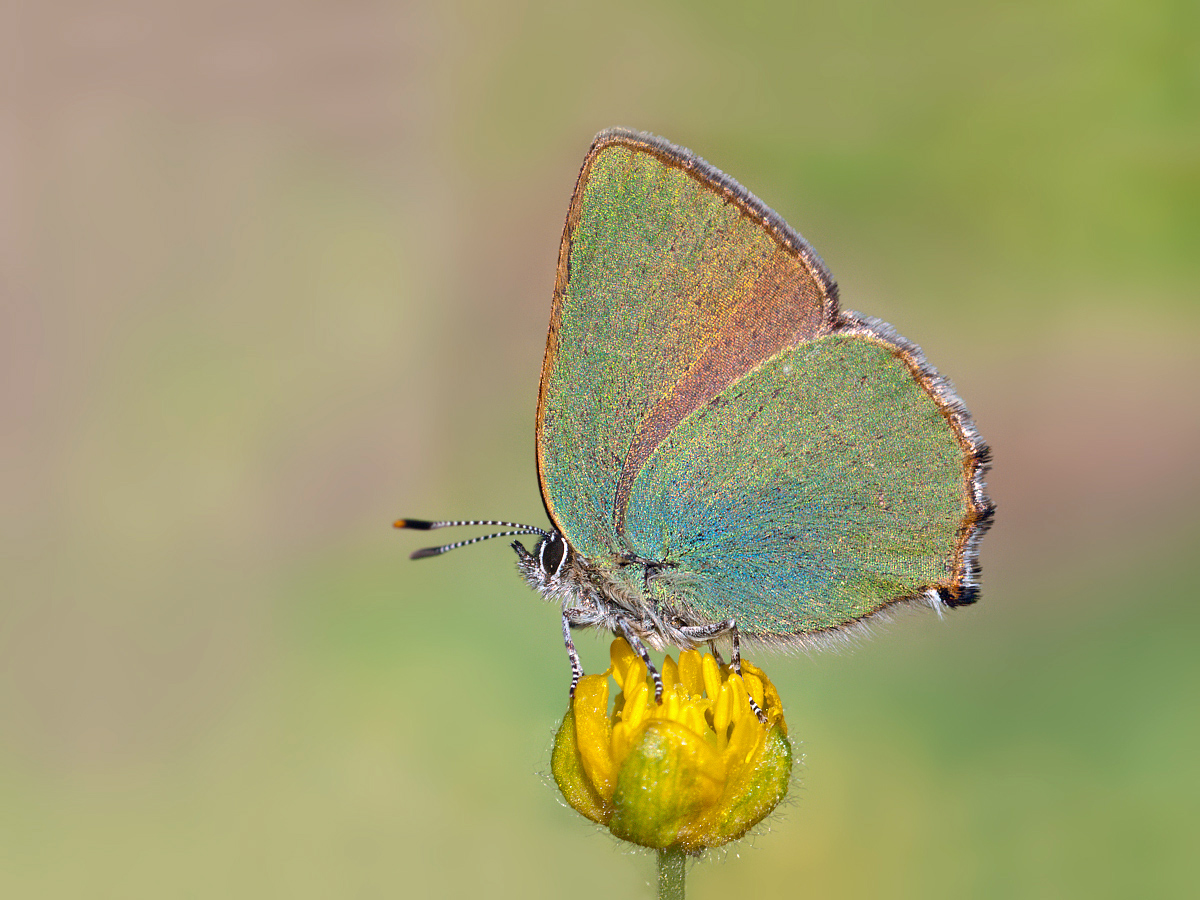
<point>671,871</point>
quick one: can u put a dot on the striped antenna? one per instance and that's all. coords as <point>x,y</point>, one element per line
<point>423,525</point>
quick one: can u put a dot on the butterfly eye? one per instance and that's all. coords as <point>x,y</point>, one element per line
<point>552,553</point>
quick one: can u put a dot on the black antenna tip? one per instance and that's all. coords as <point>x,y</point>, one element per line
<point>419,524</point>
<point>426,551</point>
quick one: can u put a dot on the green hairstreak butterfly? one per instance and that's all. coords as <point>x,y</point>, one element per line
<point>721,449</point>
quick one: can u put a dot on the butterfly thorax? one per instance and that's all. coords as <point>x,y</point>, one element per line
<point>606,593</point>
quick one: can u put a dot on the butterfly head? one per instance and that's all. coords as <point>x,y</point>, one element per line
<point>547,568</point>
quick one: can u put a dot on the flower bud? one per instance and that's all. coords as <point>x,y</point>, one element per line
<point>694,772</point>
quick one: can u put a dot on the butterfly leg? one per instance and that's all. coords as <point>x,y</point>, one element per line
<point>572,654</point>
<point>712,632</point>
<point>640,648</point>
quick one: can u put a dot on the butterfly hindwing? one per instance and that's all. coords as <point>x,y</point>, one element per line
<point>823,486</point>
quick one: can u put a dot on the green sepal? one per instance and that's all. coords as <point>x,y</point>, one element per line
<point>668,781</point>
<point>758,792</point>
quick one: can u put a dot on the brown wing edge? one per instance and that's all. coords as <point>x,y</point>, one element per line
<point>964,582</point>
<point>712,178</point>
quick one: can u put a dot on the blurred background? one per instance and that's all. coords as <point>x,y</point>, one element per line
<point>273,274</point>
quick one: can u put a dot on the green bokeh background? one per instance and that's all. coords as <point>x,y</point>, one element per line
<point>274,274</point>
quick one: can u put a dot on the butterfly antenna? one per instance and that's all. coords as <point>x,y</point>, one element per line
<point>423,525</point>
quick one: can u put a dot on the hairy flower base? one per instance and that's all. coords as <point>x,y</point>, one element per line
<point>696,771</point>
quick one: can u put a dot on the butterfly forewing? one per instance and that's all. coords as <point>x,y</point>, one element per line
<point>673,282</point>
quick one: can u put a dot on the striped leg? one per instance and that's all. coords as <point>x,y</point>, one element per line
<point>576,665</point>
<point>640,649</point>
<point>712,632</point>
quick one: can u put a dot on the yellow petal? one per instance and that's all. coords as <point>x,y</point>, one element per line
<point>670,673</point>
<point>567,768</point>
<point>747,732</point>
<point>689,672</point>
<point>770,703</point>
<point>621,658</point>
<point>722,713</point>
<point>692,716</point>
<point>711,673</point>
<point>637,700</point>
<point>754,687</point>
<point>672,707</point>
<point>593,732</point>
<point>635,674</point>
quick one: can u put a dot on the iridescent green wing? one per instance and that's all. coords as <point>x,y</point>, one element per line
<point>673,283</point>
<point>837,478</point>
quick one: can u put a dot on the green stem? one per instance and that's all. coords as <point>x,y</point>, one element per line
<point>671,871</point>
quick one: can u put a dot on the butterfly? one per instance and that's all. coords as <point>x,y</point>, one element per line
<point>721,450</point>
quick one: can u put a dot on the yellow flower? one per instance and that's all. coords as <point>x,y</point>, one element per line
<point>696,771</point>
